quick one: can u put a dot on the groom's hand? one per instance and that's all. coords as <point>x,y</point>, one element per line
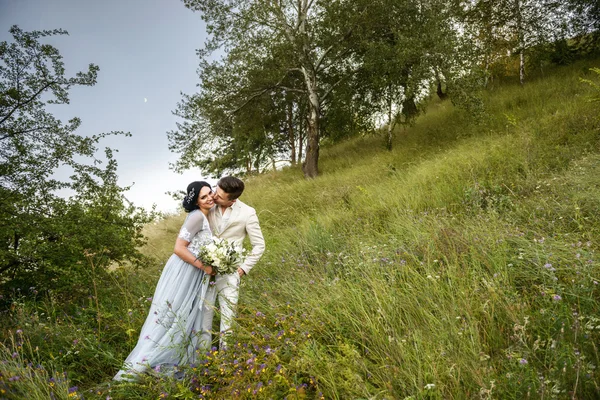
<point>241,272</point>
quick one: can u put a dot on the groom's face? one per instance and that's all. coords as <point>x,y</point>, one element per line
<point>222,198</point>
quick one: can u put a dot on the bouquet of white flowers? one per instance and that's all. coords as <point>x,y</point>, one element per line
<point>222,255</point>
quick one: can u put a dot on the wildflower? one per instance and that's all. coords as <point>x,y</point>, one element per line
<point>19,331</point>
<point>429,386</point>
<point>15,354</point>
<point>549,267</point>
<point>523,361</point>
<point>163,395</point>
<point>259,314</point>
<point>556,297</point>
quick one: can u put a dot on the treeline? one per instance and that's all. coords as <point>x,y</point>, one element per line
<point>277,78</point>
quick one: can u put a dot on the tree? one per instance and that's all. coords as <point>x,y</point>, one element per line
<point>517,26</point>
<point>218,135</point>
<point>44,236</point>
<point>302,41</point>
<point>586,21</point>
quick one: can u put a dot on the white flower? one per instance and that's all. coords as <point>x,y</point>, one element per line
<point>223,255</point>
<point>429,386</point>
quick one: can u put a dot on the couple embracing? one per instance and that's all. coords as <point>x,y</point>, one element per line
<point>179,323</point>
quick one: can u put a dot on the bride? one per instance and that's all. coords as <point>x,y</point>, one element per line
<point>170,336</point>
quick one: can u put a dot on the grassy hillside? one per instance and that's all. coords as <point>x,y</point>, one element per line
<point>462,264</point>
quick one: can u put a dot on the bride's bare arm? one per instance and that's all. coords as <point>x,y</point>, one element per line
<point>182,252</point>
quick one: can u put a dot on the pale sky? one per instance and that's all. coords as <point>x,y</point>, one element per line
<point>146,49</point>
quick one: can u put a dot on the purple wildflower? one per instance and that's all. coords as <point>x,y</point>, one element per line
<point>549,267</point>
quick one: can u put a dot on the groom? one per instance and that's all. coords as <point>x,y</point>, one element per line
<point>232,220</point>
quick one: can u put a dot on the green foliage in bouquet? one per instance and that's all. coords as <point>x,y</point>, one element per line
<point>224,256</point>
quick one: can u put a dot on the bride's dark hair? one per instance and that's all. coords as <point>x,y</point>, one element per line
<point>190,201</point>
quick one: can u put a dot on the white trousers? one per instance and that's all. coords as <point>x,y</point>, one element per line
<point>227,289</point>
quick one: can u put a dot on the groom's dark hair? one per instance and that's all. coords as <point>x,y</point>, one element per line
<point>231,185</point>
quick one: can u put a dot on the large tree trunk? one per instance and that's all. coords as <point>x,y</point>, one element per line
<point>311,163</point>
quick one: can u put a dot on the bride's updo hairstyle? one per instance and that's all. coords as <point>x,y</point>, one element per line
<point>190,201</point>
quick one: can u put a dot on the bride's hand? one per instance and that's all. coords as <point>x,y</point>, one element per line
<point>208,270</point>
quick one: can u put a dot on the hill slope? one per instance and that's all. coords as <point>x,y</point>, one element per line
<point>462,264</point>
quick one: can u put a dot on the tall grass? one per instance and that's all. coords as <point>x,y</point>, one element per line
<point>462,264</point>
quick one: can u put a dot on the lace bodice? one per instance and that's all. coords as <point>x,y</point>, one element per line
<point>195,230</point>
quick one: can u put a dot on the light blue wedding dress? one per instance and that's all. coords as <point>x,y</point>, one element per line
<point>170,336</point>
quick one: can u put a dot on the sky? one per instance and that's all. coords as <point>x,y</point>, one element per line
<point>146,51</point>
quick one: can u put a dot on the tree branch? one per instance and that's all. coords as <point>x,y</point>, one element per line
<point>289,89</point>
<point>344,37</point>
<point>27,102</point>
<point>259,93</point>
<point>12,134</point>
<point>330,89</point>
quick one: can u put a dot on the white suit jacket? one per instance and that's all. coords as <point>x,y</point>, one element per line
<point>242,221</point>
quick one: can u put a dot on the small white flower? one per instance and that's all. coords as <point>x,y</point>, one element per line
<point>429,386</point>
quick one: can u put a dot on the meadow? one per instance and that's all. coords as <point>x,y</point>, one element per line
<point>462,264</point>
